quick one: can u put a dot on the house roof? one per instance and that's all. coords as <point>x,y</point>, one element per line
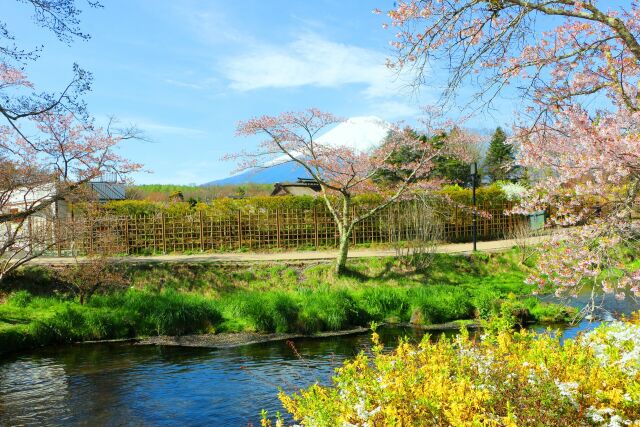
<point>303,187</point>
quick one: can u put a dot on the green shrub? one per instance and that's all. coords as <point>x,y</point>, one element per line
<point>549,313</point>
<point>169,312</point>
<point>18,338</point>
<point>486,303</point>
<point>491,195</point>
<point>108,324</point>
<point>67,325</point>
<point>133,207</point>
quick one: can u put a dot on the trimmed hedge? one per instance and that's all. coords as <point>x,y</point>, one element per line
<point>492,195</point>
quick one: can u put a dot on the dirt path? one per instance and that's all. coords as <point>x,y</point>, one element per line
<point>293,256</point>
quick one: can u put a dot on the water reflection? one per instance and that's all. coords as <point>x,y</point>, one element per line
<point>33,386</point>
<point>123,384</point>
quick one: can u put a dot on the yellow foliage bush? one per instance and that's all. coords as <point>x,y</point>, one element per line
<point>506,379</point>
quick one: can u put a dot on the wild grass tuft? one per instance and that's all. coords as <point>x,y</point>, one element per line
<point>268,311</point>
<point>20,299</point>
<point>439,304</point>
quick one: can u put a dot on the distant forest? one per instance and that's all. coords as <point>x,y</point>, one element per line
<point>171,192</point>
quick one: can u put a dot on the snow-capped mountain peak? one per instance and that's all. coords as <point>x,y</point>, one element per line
<point>361,133</point>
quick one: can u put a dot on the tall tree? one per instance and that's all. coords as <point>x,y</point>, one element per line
<point>450,168</point>
<point>559,54</point>
<point>343,171</point>
<point>454,169</point>
<point>500,158</point>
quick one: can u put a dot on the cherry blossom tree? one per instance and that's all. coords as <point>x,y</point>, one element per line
<point>50,148</point>
<point>343,171</point>
<point>594,184</point>
<point>576,65</point>
<point>45,158</point>
<point>555,51</point>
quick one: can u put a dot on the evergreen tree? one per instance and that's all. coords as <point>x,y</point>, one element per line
<point>499,163</point>
<point>450,168</point>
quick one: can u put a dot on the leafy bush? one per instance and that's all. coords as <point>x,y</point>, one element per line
<point>67,325</point>
<point>16,339</point>
<point>492,195</point>
<point>133,207</point>
<point>512,191</point>
<point>511,379</point>
<point>486,303</point>
<point>163,313</point>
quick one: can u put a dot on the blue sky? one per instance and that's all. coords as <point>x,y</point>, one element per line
<point>186,71</point>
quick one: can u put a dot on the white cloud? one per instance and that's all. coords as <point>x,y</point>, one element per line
<point>152,126</point>
<point>146,125</point>
<point>312,60</point>
<point>209,23</point>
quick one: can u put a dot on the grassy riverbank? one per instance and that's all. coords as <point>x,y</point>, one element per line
<point>174,299</point>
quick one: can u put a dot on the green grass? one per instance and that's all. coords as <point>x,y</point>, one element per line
<point>177,299</point>
<point>27,321</point>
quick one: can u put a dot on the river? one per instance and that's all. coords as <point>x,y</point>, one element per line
<point>122,384</point>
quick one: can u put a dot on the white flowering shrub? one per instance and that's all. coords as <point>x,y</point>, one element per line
<point>513,191</point>
<point>616,344</point>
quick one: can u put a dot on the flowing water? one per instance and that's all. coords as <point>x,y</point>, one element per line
<point>121,384</point>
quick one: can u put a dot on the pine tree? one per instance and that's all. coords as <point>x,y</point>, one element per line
<point>450,168</point>
<point>447,167</point>
<point>499,163</point>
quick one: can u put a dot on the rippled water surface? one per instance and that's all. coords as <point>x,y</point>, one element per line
<point>121,384</point>
<point>116,384</point>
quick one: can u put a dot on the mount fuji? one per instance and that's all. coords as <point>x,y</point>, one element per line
<point>361,133</point>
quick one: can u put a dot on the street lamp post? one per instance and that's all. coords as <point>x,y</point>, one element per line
<point>474,222</point>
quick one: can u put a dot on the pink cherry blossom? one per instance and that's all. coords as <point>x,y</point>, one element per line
<point>344,171</point>
<point>47,155</point>
<point>561,56</point>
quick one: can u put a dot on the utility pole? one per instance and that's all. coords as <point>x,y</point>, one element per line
<point>474,220</point>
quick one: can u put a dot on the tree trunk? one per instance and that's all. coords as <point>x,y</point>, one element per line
<point>345,227</point>
<point>341,261</point>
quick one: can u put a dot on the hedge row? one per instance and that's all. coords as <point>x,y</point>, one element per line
<point>485,195</point>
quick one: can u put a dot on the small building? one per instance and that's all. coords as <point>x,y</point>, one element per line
<point>302,187</point>
<point>102,188</point>
<point>105,190</point>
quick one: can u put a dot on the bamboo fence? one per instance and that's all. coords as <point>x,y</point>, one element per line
<point>257,229</point>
